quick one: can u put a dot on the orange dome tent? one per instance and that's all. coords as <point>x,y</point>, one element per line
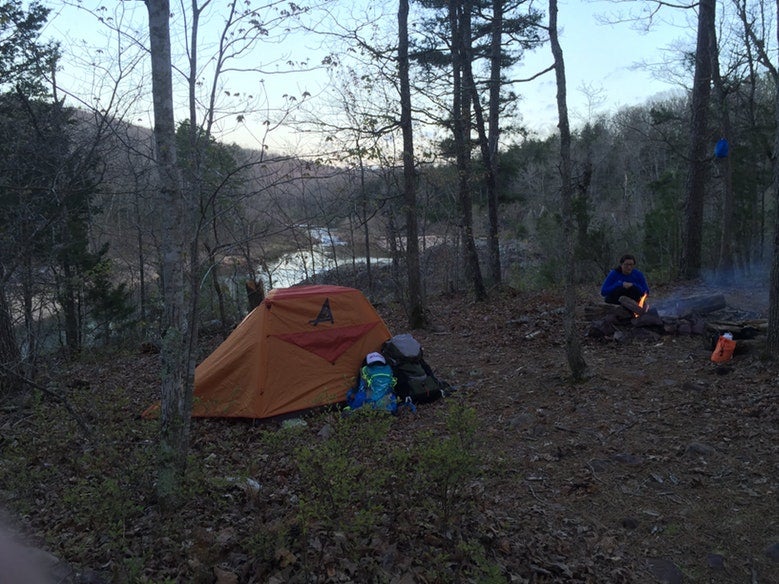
<point>302,347</point>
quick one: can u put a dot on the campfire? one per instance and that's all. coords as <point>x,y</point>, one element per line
<point>637,308</point>
<point>698,315</point>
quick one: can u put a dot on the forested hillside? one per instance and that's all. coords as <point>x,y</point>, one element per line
<point>84,226</point>
<point>630,174</point>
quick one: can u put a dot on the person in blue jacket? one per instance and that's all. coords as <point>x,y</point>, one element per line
<point>624,280</point>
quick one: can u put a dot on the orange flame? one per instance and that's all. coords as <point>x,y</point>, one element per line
<point>642,304</point>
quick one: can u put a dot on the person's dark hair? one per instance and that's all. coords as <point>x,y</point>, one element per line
<point>627,256</point>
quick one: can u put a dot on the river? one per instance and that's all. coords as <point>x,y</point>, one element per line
<point>296,266</point>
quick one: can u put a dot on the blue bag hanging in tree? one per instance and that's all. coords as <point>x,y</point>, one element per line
<point>722,148</point>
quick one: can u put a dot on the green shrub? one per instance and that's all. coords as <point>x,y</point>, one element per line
<point>448,463</point>
<point>343,478</point>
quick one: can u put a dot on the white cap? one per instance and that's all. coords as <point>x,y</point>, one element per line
<point>375,358</point>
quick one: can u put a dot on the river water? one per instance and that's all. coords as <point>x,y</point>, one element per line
<point>296,266</point>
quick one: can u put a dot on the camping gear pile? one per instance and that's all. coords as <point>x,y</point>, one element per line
<point>304,347</point>
<point>399,375</point>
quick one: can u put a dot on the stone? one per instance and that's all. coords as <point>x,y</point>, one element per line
<point>715,561</point>
<point>772,551</point>
<point>665,571</point>
<point>630,523</point>
<point>700,449</point>
<point>629,459</point>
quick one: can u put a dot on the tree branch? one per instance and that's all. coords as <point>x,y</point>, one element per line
<point>53,394</point>
<point>532,77</point>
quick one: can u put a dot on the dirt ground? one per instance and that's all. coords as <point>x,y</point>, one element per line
<point>660,467</point>
<point>660,458</point>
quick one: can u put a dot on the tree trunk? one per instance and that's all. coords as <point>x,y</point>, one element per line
<point>176,402</point>
<point>366,227</point>
<point>696,179</point>
<point>725,263</point>
<point>10,357</point>
<point>416,305</point>
<point>68,300</point>
<point>488,147</point>
<point>492,139</point>
<point>255,293</point>
<point>772,334</point>
<point>573,347</point>
<point>31,325</point>
<point>459,17</point>
<point>392,238</point>
<point>216,275</point>
<point>493,243</point>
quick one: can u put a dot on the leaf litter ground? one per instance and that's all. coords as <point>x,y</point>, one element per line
<point>660,467</point>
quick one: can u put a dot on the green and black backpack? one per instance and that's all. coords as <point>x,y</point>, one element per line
<point>416,381</point>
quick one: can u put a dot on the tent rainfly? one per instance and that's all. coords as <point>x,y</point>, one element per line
<point>302,347</point>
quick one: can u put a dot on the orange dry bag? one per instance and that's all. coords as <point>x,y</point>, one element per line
<point>724,349</point>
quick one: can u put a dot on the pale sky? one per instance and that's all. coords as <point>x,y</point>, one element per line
<point>605,60</point>
<point>602,59</point>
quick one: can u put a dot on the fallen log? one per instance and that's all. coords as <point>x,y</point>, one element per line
<point>648,318</point>
<point>598,311</point>
<point>761,325</point>
<point>684,307</point>
<point>624,320</point>
<point>750,347</point>
<point>739,330</point>
<point>633,306</point>
<point>680,317</point>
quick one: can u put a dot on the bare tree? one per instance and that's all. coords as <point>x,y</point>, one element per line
<point>725,263</point>
<point>573,346</point>
<point>759,45</point>
<point>416,306</point>
<point>490,154</point>
<point>772,336</point>
<point>520,29</point>
<point>176,361</point>
<point>697,158</point>
<point>460,25</point>
<point>375,122</point>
